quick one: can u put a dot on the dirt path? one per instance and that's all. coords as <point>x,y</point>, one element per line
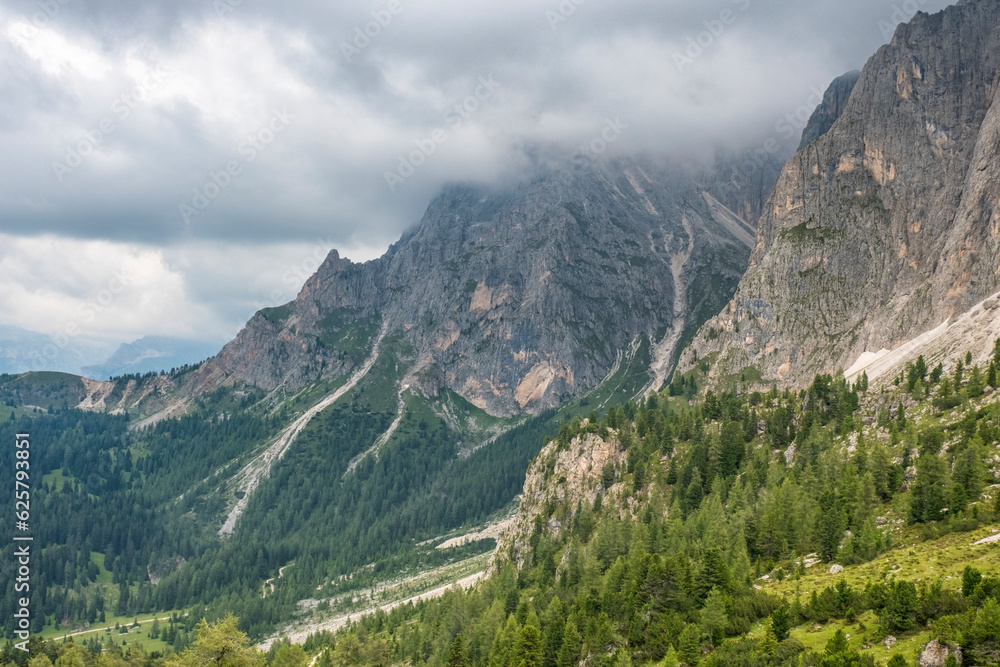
<point>259,468</point>
<point>281,573</point>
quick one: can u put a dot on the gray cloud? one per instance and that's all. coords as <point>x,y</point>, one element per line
<point>153,124</point>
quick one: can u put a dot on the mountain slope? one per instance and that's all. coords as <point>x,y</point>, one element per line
<point>887,224</point>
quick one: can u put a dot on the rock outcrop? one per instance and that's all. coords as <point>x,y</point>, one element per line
<point>563,475</point>
<point>887,224</point>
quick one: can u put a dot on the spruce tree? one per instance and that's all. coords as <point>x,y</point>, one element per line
<point>456,656</point>
<point>780,623</point>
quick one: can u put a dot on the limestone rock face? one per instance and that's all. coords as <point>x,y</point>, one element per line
<point>885,225</point>
<point>830,109</point>
<point>519,297</point>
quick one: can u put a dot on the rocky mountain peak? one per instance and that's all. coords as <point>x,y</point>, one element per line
<point>519,297</point>
<point>886,225</point>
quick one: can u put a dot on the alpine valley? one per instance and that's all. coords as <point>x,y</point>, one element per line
<point>621,411</point>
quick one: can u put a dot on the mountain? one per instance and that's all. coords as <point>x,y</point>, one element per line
<point>151,354</point>
<point>520,298</point>
<point>886,225</point>
<point>819,527</point>
<point>517,298</point>
<point>22,350</point>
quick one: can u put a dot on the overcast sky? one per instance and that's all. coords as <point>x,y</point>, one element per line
<point>169,166</point>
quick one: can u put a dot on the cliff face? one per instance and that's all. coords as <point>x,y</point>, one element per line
<point>887,224</point>
<point>831,108</point>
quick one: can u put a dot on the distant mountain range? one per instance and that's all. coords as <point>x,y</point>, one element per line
<point>23,350</point>
<point>151,354</point>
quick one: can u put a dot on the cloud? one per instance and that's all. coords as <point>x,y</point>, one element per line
<point>116,116</point>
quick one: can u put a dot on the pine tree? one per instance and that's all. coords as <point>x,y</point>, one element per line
<point>569,652</point>
<point>221,644</point>
<point>830,525</point>
<point>529,653</point>
<point>689,644</point>
<point>456,656</point>
<point>929,489</point>
<point>971,578</point>
<point>780,623</point>
<point>937,373</point>
<point>713,617</point>
<point>976,384</point>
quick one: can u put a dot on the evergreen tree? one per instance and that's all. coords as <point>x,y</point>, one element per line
<point>529,650</point>
<point>780,623</point>
<point>289,655</point>
<point>456,655</point>
<point>220,644</point>
<point>830,525</point>
<point>569,652</point>
<point>901,607</point>
<point>971,579</point>
<point>929,489</point>
<point>976,384</point>
<point>689,644</point>
<point>937,373</point>
<point>713,617</point>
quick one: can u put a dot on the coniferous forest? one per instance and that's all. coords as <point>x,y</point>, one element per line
<point>699,541</point>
